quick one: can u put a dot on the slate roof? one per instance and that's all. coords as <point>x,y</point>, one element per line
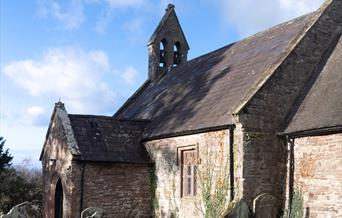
<point>322,106</point>
<point>205,92</point>
<point>101,138</point>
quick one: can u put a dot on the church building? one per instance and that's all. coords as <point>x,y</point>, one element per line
<point>253,126</point>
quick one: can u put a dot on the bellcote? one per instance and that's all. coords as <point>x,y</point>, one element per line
<point>167,46</point>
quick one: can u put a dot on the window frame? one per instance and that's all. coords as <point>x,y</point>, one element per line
<point>193,170</point>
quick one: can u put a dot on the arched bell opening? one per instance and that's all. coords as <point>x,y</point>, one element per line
<point>177,58</point>
<point>163,53</point>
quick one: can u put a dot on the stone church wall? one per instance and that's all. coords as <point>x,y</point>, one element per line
<point>264,153</point>
<point>213,150</point>
<point>318,175</point>
<point>57,164</point>
<point>121,190</point>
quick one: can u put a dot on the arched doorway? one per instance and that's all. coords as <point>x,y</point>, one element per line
<point>59,200</point>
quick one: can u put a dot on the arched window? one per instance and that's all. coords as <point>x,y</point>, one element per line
<point>177,54</point>
<point>59,199</point>
<point>163,44</point>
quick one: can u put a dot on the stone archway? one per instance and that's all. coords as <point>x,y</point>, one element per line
<point>59,199</point>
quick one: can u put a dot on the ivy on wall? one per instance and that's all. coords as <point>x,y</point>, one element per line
<point>214,179</point>
<point>153,187</point>
<point>297,206</point>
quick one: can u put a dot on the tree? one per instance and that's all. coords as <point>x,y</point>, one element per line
<point>33,180</point>
<point>5,157</point>
<point>17,184</point>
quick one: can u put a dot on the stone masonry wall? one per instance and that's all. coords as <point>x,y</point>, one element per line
<point>165,153</point>
<point>264,153</point>
<point>318,174</point>
<point>238,139</point>
<point>122,190</point>
<point>57,164</point>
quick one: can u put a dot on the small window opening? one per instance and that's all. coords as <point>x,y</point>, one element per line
<point>176,54</point>
<point>163,45</point>
<point>189,172</point>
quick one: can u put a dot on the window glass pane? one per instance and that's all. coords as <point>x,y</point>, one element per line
<point>195,179</point>
<point>189,171</point>
<point>189,186</point>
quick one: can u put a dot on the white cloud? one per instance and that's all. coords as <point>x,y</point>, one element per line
<point>135,25</point>
<point>250,16</point>
<point>69,13</point>
<point>32,116</point>
<point>35,111</point>
<point>74,75</point>
<point>108,13</point>
<point>24,141</point>
<point>130,75</point>
<point>295,7</point>
<point>125,3</point>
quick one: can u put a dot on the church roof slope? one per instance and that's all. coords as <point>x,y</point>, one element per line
<point>322,106</point>
<point>106,139</point>
<point>206,91</point>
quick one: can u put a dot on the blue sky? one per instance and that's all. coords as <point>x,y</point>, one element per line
<point>92,54</point>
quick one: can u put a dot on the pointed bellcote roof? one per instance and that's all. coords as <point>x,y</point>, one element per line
<point>169,23</point>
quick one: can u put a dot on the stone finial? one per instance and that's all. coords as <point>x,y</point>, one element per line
<point>60,105</point>
<point>169,7</point>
